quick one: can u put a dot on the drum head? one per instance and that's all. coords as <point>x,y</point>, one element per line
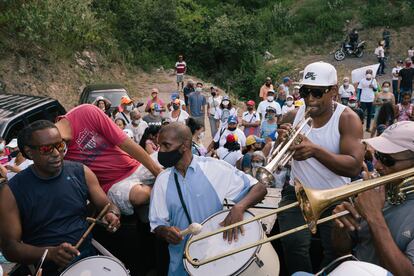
<point>215,245</point>
<point>96,266</point>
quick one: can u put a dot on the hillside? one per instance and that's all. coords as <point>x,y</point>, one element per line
<point>54,48</point>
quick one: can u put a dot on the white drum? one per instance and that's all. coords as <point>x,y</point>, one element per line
<point>256,261</point>
<point>97,266</point>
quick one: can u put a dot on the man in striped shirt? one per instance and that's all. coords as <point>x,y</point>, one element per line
<point>180,69</point>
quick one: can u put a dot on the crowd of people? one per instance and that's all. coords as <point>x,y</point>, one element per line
<point>160,157</point>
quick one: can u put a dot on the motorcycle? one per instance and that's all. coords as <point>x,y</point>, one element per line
<point>346,50</point>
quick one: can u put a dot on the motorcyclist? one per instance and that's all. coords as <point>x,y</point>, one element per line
<point>353,39</point>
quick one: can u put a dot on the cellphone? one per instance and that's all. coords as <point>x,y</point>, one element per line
<point>41,261</point>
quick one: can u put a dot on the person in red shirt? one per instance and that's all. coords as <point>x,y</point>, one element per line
<point>180,70</point>
<point>94,140</point>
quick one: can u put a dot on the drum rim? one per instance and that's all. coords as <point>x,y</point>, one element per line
<point>252,258</point>
<point>95,257</point>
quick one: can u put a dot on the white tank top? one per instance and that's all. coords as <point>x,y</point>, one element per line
<point>310,172</point>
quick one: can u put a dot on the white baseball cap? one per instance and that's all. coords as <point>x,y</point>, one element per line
<point>319,74</point>
<point>12,144</point>
<point>396,138</point>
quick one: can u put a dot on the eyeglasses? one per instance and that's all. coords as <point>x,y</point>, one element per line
<point>387,160</point>
<point>48,149</point>
<point>315,92</point>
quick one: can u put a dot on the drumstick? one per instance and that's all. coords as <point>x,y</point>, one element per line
<point>97,221</point>
<point>193,228</point>
<point>101,214</point>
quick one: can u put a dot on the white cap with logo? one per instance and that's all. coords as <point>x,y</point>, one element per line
<point>319,74</point>
<point>396,138</point>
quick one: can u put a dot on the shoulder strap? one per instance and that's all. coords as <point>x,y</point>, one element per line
<point>181,199</point>
<point>196,148</point>
<point>126,119</point>
<point>226,155</point>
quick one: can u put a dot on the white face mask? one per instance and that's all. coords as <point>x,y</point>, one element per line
<point>257,164</point>
<point>289,103</point>
<point>2,146</point>
<point>201,135</point>
<point>346,84</point>
<point>129,107</point>
<point>368,76</point>
<point>156,113</point>
<point>270,98</point>
<point>225,103</point>
<point>352,105</point>
<point>137,121</point>
<point>386,89</point>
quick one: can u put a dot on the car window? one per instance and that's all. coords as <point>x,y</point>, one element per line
<point>40,115</point>
<point>113,96</point>
<point>13,130</point>
<point>52,112</point>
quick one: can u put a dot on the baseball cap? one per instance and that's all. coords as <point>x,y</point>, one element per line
<point>299,103</point>
<point>250,140</point>
<point>125,100</point>
<point>296,87</point>
<point>396,138</point>
<point>225,98</point>
<point>231,138</point>
<point>250,102</point>
<point>289,97</point>
<point>174,96</point>
<point>12,144</point>
<point>319,74</point>
<point>271,91</point>
<point>286,79</point>
<point>270,109</point>
<point>232,119</point>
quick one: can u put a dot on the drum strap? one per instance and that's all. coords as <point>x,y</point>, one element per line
<point>181,199</point>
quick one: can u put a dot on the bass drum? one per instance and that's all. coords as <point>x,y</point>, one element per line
<point>96,266</point>
<point>256,261</point>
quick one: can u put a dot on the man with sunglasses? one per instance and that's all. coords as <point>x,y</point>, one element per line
<point>327,158</point>
<point>378,232</point>
<point>45,206</point>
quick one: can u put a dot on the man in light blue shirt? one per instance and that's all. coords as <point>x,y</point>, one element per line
<point>204,183</point>
<point>197,104</point>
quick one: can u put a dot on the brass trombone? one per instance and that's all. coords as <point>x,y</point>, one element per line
<point>281,155</point>
<point>313,203</point>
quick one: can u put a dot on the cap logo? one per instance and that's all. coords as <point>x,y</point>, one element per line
<point>310,75</point>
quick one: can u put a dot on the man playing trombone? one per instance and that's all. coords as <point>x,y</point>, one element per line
<point>331,153</point>
<point>382,236</point>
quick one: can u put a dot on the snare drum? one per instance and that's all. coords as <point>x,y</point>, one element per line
<point>97,266</point>
<point>256,261</point>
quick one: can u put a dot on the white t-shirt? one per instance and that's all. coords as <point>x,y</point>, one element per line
<point>379,52</point>
<point>26,163</point>
<point>182,103</point>
<point>138,131</point>
<point>396,70</point>
<point>240,136</point>
<point>264,104</point>
<point>229,157</point>
<point>223,114</point>
<point>346,92</point>
<point>286,109</point>
<point>367,93</point>
<point>214,104</point>
<point>181,117</point>
<point>251,117</point>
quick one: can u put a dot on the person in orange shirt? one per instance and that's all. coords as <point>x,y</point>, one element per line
<point>265,88</point>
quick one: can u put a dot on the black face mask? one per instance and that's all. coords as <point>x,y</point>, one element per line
<point>232,128</point>
<point>14,154</point>
<point>213,94</point>
<point>175,107</point>
<point>250,108</point>
<point>169,158</point>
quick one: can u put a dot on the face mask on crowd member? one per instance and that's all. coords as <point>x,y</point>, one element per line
<point>352,103</point>
<point>368,76</point>
<point>126,104</point>
<point>213,91</point>
<point>232,123</point>
<point>250,105</point>
<point>225,103</point>
<point>175,144</point>
<point>198,90</point>
<point>270,96</point>
<point>155,109</point>
<point>289,101</point>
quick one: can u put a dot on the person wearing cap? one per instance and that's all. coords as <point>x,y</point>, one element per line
<point>175,96</point>
<point>253,143</point>
<point>126,105</point>
<point>93,139</point>
<point>295,93</point>
<point>137,125</point>
<point>230,152</point>
<point>103,104</point>
<point>269,124</point>
<point>224,111</point>
<point>17,161</point>
<point>265,88</point>
<point>197,103</point>
<point>177,114</point>
<point>406,74</point>
<point>250,119</point>
<point>213,104</point>
<point>188,89</point>
<point>375,231</point>
<point>269,101</point>
<point>353,104</point>
<point>346,90</point>
<point>288,106</point>
<point>367,88</point>
<point>155,100</point>
<point>220,138</point>
<point>395,77</point>
<point>204,182</point>
<point>154,116</point>
<point>326,158</point>
<point>180,70</point>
